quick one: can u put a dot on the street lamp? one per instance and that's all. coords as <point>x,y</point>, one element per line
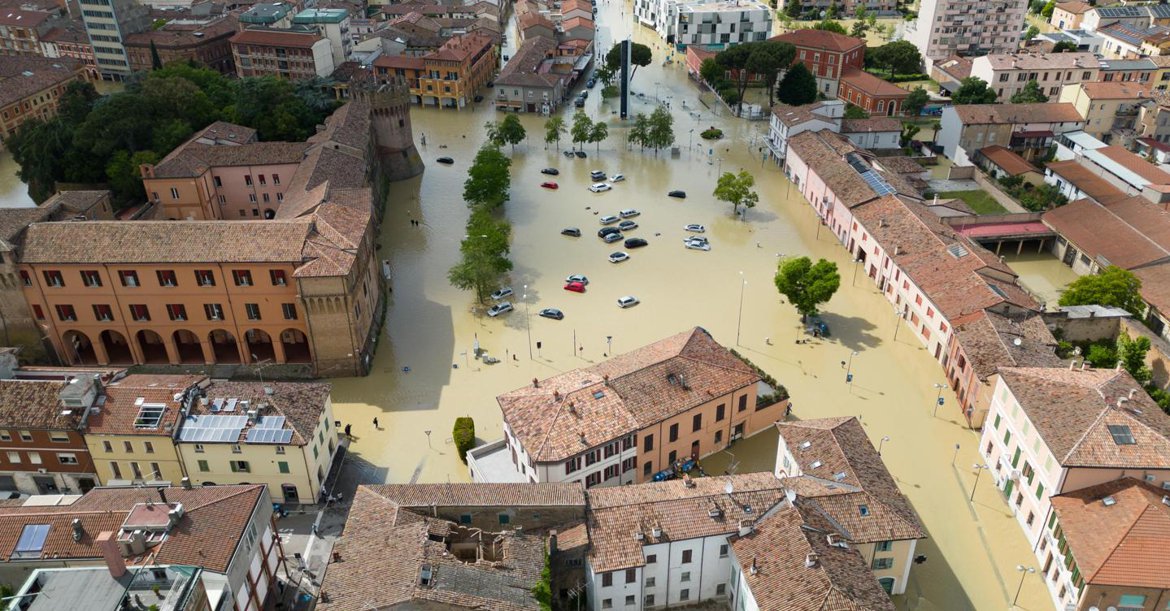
<point>956,456</point>
<point>609,344</point>
<point>898,322</point>
<point>656,84</point>
<point>691,141</point>
<point>885,438</point>
<point>528,322</point>
<point>979,469</point>
<point>739,322</point>
<point>938,400</point>
<point>856,260</point>
<point>849,367</point>
<point>1024,572</point>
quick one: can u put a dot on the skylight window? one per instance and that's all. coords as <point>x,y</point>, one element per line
<point>149,415</point>
<point>863,510</point>
<point>1122,436</point>
<point>32,541</point>
<point>816,463</point>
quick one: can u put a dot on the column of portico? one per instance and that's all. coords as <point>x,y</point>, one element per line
<point>208,350</point>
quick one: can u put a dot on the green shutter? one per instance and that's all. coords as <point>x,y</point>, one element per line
<point>233,464</point>
<point>1040,490</point>
<point>283,466</point>
<point>997,419</point>
<point>203,466</point>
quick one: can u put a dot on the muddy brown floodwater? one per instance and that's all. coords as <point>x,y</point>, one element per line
<point>13,192</point>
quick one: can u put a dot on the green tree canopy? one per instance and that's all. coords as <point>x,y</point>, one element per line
<point>1131,354</point>
<point>660,130</point>
<point>1112,286</point>
<point>898,57</point>
<point>488,179</point>
<point>483,254</point>
<point>598,133</point>
<point>736,189</point>
<point>1046,12</point>
<point>582,128</point>
<point>973,90</point>
<point>640,131</point>
<point>1064,46</point>
<point>554,128</point>
<point>807,285</point>
<point>798,87</point>
<point>510,131</point>
<point>915,102</point>
<point>794,9</point>
<point>855,112</point>
<point>829,25</point>
<point>1030,94</point>
<point>710,71</point>
<point>1031,32</point>
<point>640,55</point>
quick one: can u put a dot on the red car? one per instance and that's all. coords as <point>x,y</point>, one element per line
<point>576,287</point>
<point>550,185</point>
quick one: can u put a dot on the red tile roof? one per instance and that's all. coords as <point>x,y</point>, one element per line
<point>274,38</point>
<point>1007,160</point>
<point>820,39</point>
<point>1128,233</point>
<point>872,85</point>
<point>125,398</point>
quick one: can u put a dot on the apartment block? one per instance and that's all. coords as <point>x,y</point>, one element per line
<point>42,448</point>
<point>1069,15</point>
<point>1027,129</point>
<point>1064,431</point>
<point>714,24</point>
<point>961,27</point>
<point>30,88</point>
<point>205,40</point>
<point>448,77</point>
<point>287,54</point>
<point>1110,110</point>
<point>69,40</point>
<point>333,24</point>
<point>108,23</point>
<point>634,418</point>
<point>21,31</point>
<point>1008,73</point>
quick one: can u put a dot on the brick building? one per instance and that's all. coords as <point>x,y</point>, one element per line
<point>30,88</point>
<point>286,54</point>
<point>876,96</point>
<point>42,448</point>
<point>206,41</point>
<point>826,54</point>
<point>21,31</point>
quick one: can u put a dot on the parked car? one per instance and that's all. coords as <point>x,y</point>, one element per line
<point>552,313</point>
<point>568,154</point>
<point>600,187</point>
<point>695,228</point>
<point>572,232</point>
<point>617,178</point>
<point>610,238</point>
<point>584,95</point>
<point>628,301</point>
<point>550,185</point>
<point>697,245</point>
<point>553,171</point>
<point>608,219</point>
<point>628,213</point>
<point>590,83</point>
<point>636,243</point>
<point>582,278</point>
<point>627,225</point>
<point>445,160</point>
<point>576,287</point>
<point>502,293</point>
<point>678,194</point>
<point>604,231</point>
<point>597,175</point>
<point>618,257</point>
<point>580,154</point>
<point>499,308</point>
<point>579,102</point>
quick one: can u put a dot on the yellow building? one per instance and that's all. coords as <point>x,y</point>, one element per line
<point>131,429</point>
<point>278,434</point>
<point>1107,107</point>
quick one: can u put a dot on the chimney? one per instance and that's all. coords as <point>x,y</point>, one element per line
<point>754,568</point>
<point>583,438</point>
<point>556,395</point>
<point>552,541</point>
<point>1132,392</point>
<point>606,379</point>
<point>897,250</point>
<point>687,481</point>
<point>107,542</point>
<point>78,530</point>
<point>186,483</point>
<point>1121,401</point>
<point>162,494</point>
<point>810,561</point>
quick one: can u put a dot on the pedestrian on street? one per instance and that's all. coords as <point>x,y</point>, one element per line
<point>347,429</point>
<point>376,424</point>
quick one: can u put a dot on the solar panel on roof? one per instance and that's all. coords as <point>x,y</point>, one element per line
<point>271,422</point>
<point>32,540</point>
<point>284,437</point>
<point>217,404</point>
<point>231,405</point>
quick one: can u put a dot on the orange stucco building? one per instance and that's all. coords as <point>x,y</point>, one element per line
<point>447,77</point>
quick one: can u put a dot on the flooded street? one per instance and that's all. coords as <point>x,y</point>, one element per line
<point>13,192</point>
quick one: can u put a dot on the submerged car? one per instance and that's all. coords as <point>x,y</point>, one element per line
<point>604,231</point>
<point>597,175</point>
<point>636,243</point>
<point>617,178</point>
<point>575,287</point>
<point>600,187</point>
<point>608,219</point>
<point>627,225</point>
<point>610,238</point>
<point>695,228</point>
<point>582,278</point>
<point>502,293</point>
<point>445,160</point>
<point>697,244</point>
<point>580,154</point>
<point>572,232</point>
<point>499,308</point>
<point>628,213</point>
<point>678,194</point>
<point>552,313</point>
<point>552,171</point>
<point>618,257</point>
<point>550,185</point>
<point>627,302</point>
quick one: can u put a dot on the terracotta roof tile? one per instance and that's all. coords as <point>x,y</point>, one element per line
<point>301,403</point>
<point>841,457</point>
<point>824,152</point>
<point>871,84</point>
<point>34,404</point>
<point>772,560</point>
<point>1017,114</point>
<point>194,158</point>
<point>820,39</point>
<point>1073,409</point>
<point>681,512</point>
<point>484,495</point>
<point>22,76</point>
<point>570,412</point>
<point>120,410</point>
<point>1099,232</point>
<point>988,341</point>
<point>1007,160</point>
<point>276,38</point>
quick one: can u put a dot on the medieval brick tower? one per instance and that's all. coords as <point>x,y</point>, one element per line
<point>389,104</point>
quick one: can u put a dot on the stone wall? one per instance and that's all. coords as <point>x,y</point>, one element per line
<point>1087,329</point>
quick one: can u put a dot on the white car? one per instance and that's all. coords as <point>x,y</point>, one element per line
<point>695,228</point>
<point>617,178</point>
<point>582,278</point>
<point>628,301</point>
<point>608,219</point>
<point>618,257</point>
<point>597,175</point>
<point>502,293</point>
<point>600,187</point>
<point>628,213</point>
<point>499,308</point>
<point>697,244</point>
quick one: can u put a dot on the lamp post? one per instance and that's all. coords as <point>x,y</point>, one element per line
<point>979,469</point>
<point>956,456</point>
<point>938,400</point>
<point>1024,572</point>
<point>898,322</point>
<point>656,84</point>
<point>528,322</point>
<point>609,344</point>
<point>856,261</point>
<point>849,368</point>
<point>739,322</point>
<point>691,141</point>
<point>884,439</point>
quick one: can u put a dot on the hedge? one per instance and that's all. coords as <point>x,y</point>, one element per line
<point>464,436</point>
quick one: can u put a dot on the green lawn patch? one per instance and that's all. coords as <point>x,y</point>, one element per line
<point>980,201</point>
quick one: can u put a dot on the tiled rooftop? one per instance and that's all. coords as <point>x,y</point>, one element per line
<point>1128,233</point>
<point>1072,411</point>
<point>568,413</point>
<point>1018,114</point>
<point>988,339</point>
<point>820,39</point>
<point>22,76</point>
<point>33,404</point>
<point>125,399</point>
<point>824,152</point>
<point>484,495</point>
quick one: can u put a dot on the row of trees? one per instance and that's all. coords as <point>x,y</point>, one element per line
<point>974,90</point>
<point>484,250</point>
<point>585,130</point>
<point>95,139</point>
<point>655,131</point>
<point>765,58</point>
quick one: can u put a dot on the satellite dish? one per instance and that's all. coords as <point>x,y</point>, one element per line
<point>790,494</point>
<point>729,487</point>
<point>1017,341</point>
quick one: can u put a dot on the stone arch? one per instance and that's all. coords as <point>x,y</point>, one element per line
<point>151,344</point>
<point>79,348</point>
<point>259,345</point>
<point>117,348</point>
<point>224,346</point>
<point>188,347</point>
<point>296,346</point>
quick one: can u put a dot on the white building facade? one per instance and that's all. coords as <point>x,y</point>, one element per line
<point>714,24</point>
<point>962,27</point>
